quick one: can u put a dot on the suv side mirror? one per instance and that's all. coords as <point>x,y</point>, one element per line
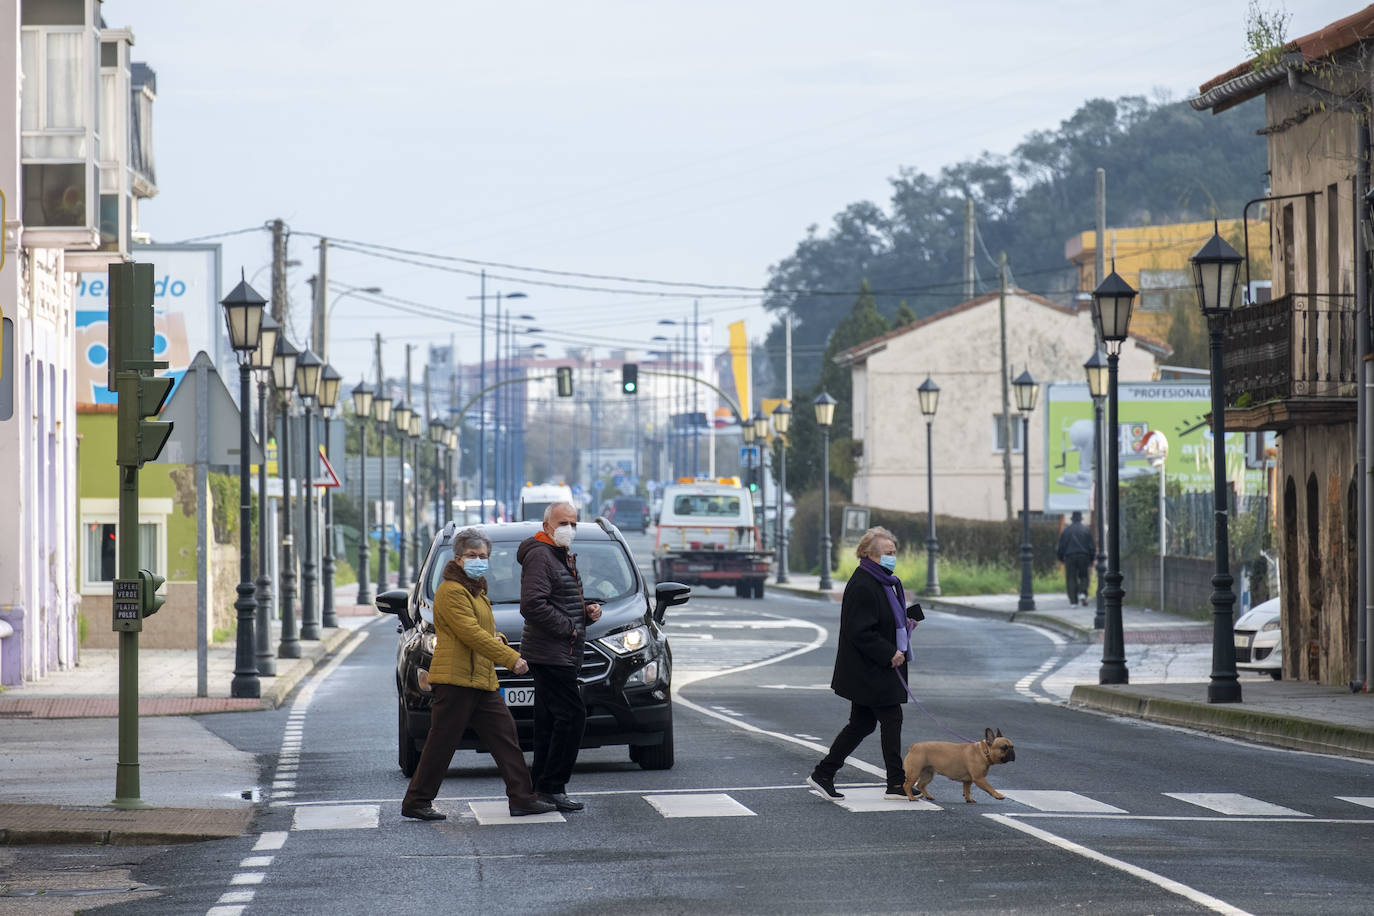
<point>669,594</point>
<point>396,601</point>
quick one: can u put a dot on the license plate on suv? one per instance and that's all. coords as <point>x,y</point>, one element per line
<point>518,696</point>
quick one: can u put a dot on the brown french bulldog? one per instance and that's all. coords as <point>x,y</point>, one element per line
<point>966,762</point>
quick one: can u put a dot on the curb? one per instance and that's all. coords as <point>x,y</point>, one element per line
<point>1271,728</point>
<point>66,825</point>
<point>802,592</point>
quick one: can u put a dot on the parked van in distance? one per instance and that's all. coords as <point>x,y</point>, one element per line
<point>534,499</point>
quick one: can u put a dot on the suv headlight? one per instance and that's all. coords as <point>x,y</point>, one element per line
<point>645,676</point>
<point>626,642</point>
<point>1271,625</point>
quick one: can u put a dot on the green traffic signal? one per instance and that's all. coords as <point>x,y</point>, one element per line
<point>150,600</point>
<point>565,381</point>
<point>629,378</point>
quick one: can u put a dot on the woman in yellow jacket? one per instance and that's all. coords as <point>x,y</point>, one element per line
<point>462,675</point>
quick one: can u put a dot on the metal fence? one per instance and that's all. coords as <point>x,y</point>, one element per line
<point>1190,527</point>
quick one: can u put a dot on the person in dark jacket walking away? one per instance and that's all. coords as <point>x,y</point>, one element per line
<point>875,642</point>
<point>1076,552</point>
<point>556,617</point>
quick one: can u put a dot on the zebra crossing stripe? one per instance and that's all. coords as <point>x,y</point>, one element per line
<point>336,817</point>
<point>495,813</point>
<point>1365,800</point>
<point>1233,803</point>
<point>707,805</point>
<point>1063,802</point>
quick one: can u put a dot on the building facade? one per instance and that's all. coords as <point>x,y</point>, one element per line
<point>959,349</point>
<point>1293,364</point>
<point>78,161</point>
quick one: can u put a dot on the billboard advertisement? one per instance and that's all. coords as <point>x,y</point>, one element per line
<point>1177,409</point>
<point>187,316</point>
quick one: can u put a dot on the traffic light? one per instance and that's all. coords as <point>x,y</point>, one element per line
<point>629,378</point>
<point>150,600</point>
<point>140,439</point>
<point>565,380</point>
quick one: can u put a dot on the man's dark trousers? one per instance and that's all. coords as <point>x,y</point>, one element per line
<point>1076,566</point>
<point>862,721</point>
<point>559,717</point>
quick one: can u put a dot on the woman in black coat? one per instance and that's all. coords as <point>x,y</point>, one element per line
<point>875,631</point>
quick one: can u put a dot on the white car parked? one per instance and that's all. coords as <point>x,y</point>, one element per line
<point>1259,641</point>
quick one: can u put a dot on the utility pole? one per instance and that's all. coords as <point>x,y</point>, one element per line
<point>968,249</point>
<point>696,370</point>
<point>383,519</point>
<point>1100,254</point>
<point>289,645</point>
<point>1006,393</point>
<point>319,329</point>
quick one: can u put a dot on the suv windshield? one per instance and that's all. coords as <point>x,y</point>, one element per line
<point>605,570</point>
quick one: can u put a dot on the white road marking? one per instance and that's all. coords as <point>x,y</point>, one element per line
<point>1233,803</point>
<point>336,817</point>
<point>236,897</point>
<point>273,839</point>
<point>794,686</point>
<point>1168,884</point>
<point>256,862</point>
<point>867,799</point>
<point>490,813</point>
<point>248,877</point>
<point>1059,801</point>
<point>224,911</point>
<point>1365,800</point>
<point>698,805</point>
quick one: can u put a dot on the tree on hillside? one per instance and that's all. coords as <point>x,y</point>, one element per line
<point>862,323</point>
<point>1164,162</point>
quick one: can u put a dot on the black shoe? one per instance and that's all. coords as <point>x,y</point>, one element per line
<point>895,792</point>
<point>561,801</point>
<point>535,806</point>
<point>427,813</point>
<point>825,785</point>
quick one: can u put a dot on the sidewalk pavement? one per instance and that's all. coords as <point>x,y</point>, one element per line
<point>1169,664</point>
<point>59,744</point>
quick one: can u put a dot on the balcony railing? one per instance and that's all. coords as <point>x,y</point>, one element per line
<point>1293,347</point>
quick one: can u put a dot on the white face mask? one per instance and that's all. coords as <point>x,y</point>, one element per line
<point>564,534</point>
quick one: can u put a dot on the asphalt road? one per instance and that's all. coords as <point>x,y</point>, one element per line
<point>1102,815</point>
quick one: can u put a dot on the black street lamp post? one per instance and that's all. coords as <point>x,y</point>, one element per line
<point>309,368</point>
<point>262,362</point>
<point>825,415</point>
<point>438,434</point>
<point>400,418</point>
<point>929,396</point>
<point>782,422</point>
<point>1096,370</point>
<point>381,411</point>
<point>1112,301</point>
<point>760,439</point>
<point>243,312</point>
<point>415,495</point>
<point>284,380</point>
<point>1216,270</point>
<point>362,410</point>
<point>330,380</point>
<point>1027,391</point>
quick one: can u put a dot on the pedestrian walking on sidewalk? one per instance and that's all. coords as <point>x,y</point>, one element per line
<point>871,662</point>
<point>1076,551</point>
<point>462,676</point>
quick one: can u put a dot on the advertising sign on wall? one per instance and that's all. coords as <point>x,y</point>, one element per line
<point>1177,409</point>
<point>187,315</point>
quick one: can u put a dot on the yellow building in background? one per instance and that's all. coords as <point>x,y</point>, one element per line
<point>1154,260</point>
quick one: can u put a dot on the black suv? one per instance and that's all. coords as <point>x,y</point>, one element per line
<point>626,665</point>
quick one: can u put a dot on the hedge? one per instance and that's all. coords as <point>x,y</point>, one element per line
<point>990,543</point>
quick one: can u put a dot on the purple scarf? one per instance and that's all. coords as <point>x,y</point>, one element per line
<point>892,587</point>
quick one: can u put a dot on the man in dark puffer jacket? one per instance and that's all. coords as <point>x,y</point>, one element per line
<point>556,617</point>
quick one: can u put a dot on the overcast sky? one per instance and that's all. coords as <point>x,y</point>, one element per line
<point>690,142</point>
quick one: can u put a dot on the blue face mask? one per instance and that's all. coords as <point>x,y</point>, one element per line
<point>888,561</point>
<point>475,569</point>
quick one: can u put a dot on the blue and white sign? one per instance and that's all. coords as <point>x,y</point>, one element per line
<point>598,485</point>
<point>577,489</point>
<point>749,456</point>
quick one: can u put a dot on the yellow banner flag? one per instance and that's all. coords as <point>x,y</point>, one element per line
<point>739,366</point>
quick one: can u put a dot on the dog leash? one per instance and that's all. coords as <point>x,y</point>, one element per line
<point>927,711</point>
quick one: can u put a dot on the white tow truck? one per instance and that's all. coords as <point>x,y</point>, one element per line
<point>707,536</point>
